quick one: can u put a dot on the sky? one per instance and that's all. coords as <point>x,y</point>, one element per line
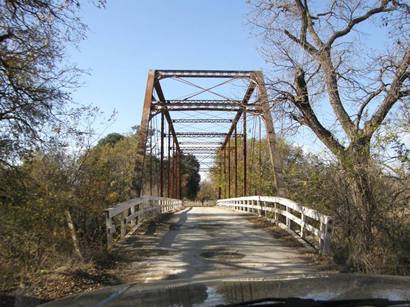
<point>129,37</point>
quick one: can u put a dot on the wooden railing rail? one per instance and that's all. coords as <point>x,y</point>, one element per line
<point>299,220</point>
<point>130,214</point>
<point>197,203</point>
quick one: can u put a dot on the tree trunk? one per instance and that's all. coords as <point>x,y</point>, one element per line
<point>73,234</point>
<point>357,164</point>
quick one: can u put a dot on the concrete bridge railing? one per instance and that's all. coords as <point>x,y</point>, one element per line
<point>301,221</point>
<point>130,214</point>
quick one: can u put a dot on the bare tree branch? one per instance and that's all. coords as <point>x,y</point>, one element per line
<point>308,47</point>
<point>382,8</point>
<point>393,95</point>
<point>334,95</point>
<point>365,104</point>
<point>307,23</point>
<point>302,103</point>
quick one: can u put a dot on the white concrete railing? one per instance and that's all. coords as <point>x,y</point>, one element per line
<point>134,211</point>
<point>300,220</point>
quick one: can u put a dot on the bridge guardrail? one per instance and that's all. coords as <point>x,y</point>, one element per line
<point>287,214</point>
<point>134,211</point>
<point>196,203</point>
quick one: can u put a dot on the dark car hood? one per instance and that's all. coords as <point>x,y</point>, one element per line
<point>241,289</point>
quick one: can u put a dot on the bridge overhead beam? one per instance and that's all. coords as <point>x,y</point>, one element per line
<point>201,152</point>
<point>202,121</point>
<point>194,152</point>
<point>200,143</point>
<point>201,134</point>
<point>242,74</point>
<point>203,107</point>
<point>199,149</point>
<point>203,101</point>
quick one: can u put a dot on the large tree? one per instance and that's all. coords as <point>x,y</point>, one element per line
<point>35,81</point>
<point>334,75</point>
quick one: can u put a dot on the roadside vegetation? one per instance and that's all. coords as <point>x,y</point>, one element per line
<point>52,206</point>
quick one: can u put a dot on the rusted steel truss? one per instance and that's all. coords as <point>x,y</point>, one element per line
<point>171,150</point>
<point>201,134</point>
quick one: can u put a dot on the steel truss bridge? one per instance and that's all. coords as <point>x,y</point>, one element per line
<point>232,110</point>
<point>212,123</point>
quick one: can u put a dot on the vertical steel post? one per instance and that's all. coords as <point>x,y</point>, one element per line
<point>177,175</point>
<point>180,175</point>
<point>150,159</point>
<point>270,135</point>
<point>225,185</point>
<point>172,180</point>
<point>229,169</point>
<point>138,176</point>
<point>245,154</point>
<point>169,163</point>
<point>161,162</point>
<point>236,161</point>
<point>156,168</point>
<point>260,157</point>
<point>174,170</point>
<point>220,176</point>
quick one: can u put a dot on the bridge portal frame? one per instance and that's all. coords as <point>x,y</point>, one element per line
<point>152,107</point>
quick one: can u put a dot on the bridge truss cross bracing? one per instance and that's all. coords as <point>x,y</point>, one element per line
<point>208,123</point>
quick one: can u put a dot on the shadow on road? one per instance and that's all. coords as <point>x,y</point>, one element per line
<point>170,236</point>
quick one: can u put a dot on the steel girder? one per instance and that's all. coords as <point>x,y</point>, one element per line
<point>204,73</point>
<point>201,120</point>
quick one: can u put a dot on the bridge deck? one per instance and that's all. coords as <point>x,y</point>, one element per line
<point>208,242</point>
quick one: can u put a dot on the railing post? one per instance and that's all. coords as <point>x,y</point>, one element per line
<point>275,213</point>
<point>142,211</point>
<point>287,219</point>
<point>324,238</point>
<point>108,228</point>
<point>258,203</point>
<point>302,226</point>
<point>157,208</point>
<point>123,224</point>
<point>133,220</point>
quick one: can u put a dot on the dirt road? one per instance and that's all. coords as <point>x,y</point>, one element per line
<point>205,242</point>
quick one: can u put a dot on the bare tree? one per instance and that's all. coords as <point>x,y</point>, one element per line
<point>324,62</point>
